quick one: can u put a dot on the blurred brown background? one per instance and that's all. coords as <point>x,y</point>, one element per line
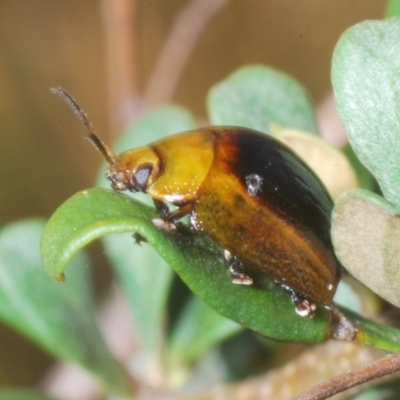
<point>47,43</point>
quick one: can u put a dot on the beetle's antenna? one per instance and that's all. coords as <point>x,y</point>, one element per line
<point>107,153</point>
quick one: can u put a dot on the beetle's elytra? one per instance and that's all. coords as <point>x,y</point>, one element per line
<point>248,192</point>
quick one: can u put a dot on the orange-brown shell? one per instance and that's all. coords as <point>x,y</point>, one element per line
<point>253,196</point>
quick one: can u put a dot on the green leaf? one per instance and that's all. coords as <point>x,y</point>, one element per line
<point>144,276</point>
<point>366,80</point>
<point>393,8</point>
<point>21,394</point>
<point>198,329</point>
<point>257,96</point>
<point>366,234</point>
<point>156,124</point>
<point>264,307</point>
<point>59,318</point>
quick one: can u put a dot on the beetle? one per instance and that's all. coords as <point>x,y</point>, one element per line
<point>248,192</point>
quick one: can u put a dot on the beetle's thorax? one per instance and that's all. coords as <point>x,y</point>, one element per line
<point>186,161</point>
<point>170,170</point>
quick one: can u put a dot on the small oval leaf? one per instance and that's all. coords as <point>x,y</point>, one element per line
<point>263,307</point>
<point>366,81</point>
<point>366,236</point>
<point>257,96</point>
<point>330,164</point>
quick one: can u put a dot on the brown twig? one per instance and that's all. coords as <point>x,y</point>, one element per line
<point>384,366</point>
<point>120,23</point>
<point>178,47</point>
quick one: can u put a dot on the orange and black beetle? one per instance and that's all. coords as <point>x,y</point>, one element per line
<point>248,192</point>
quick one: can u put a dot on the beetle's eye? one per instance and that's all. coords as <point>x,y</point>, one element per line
<point>142,176</point>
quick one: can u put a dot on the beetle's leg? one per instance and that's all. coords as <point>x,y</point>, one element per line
<point>237,270</point>
<point>169,218</point>
<point>304,307</point>
<point>163,209</point>
<point>181,212</point>
<point>166,222</point>
<point>172,216</point>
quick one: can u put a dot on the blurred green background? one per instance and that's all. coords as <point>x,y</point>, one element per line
<point>47,43</point>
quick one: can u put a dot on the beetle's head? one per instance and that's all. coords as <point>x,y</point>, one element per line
<point>134,170</point>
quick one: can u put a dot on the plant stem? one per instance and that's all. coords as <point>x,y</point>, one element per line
<point>349,326</point>
<point>189,24</point>
<point>121,38</point>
